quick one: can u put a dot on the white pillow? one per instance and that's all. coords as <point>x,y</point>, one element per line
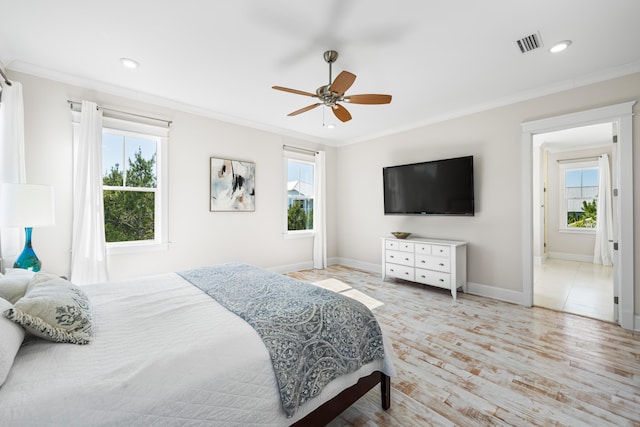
<point>54,309</point>
<point>13,285</point>
<point>12,336</point>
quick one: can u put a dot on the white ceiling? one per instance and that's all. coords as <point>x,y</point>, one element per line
<point>439,59</point>
<point>579,138</point>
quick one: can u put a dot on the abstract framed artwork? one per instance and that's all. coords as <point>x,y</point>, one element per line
<point>232,185</point>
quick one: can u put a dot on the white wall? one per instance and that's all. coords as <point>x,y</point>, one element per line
<point>355,210</point>
<point>197,236</point>
<point>494,139</point>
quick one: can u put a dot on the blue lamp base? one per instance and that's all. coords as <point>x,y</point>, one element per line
<point>27,259</point>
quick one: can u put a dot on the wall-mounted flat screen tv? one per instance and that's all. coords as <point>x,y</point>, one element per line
<point>440,187</point>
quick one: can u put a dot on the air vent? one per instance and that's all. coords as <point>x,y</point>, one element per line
<point>529,43</point>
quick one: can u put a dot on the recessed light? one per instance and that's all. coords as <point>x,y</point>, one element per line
<point>560,46</point>
<point>129,63</point>
<point>331,126</point>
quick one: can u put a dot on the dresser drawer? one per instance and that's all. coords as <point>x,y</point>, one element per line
<point>439,250</point>
<point>406,246</point>
<point>391,244</point>
<point>399,245</point>
<point>433,263</point>
<point>433,278</point>
<point>423,249</point>
<point>398,257</point>
<point>400,271</point>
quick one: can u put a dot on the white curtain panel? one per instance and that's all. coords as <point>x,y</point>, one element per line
<point>319,214</point>
<point>88,251</point>
<point>12,161</point>
<point>603,252</point>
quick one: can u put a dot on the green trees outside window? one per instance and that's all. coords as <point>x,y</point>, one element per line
<point>587,218</point>
<point>129,199</point>
<point>298,219</point>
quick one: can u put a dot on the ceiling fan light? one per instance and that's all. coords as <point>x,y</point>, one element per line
<point>560,46</point>
<point>129,63</point>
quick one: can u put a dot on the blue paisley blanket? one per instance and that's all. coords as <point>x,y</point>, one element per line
<point>313,335</point>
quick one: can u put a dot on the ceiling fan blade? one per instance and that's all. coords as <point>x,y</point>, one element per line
<point>368,99</point>
<point>343,82</point>
<point>341,113</point>
<point>302,110</point>
<point>296,91</point>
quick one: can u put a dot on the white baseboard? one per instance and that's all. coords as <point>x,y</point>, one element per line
<point>366,266</point>
<point>292,267</point>
<point>507,295</point>
<point>637,323</point>
<point>571,257</point>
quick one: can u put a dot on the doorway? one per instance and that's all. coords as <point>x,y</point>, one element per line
<point>623,274</point>
<point>565,193</point>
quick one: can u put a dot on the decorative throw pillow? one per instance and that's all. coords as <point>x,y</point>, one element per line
<point>54,309</point>
<point>12,336</point>
<point>13,285</point>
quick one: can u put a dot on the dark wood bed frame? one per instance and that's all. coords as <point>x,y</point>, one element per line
<point>334,407</point>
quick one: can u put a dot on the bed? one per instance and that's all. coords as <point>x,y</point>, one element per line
<point>163,351</point>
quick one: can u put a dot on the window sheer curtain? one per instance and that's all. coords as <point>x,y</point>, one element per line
<point>603,253</point>
<point>12,160</point>
<point>319,213</point>
<point>88,250</point>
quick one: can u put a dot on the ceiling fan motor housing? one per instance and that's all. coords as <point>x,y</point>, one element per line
<point>331,56</point>
<point>327,97</point>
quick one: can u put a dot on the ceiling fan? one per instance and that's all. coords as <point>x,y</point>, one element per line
<point>333,93</point>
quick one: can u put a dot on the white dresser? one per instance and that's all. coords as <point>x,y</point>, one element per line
<point>435,262</point>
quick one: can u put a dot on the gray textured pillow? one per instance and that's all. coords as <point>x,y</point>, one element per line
<point>54,309</point>
<point>13,285</point>
<point>11,339</point>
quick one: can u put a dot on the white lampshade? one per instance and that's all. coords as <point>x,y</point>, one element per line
<point>27,205</point>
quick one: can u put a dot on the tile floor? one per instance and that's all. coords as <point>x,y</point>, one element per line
<point>574,287</point>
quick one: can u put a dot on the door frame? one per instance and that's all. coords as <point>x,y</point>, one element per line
<point>622,116</point>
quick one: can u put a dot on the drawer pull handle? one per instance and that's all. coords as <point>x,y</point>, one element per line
<point>441,265</point>
<point>423,261</point>
<point>423,276</point>
<point>406,272</point>
<point>391,256</point>
<point>442,280</point>
<point>406,259</point>
<point>391,269</point>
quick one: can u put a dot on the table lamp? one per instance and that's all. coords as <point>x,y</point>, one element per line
<point>28,206</point>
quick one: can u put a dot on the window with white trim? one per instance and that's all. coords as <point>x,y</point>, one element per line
<point>134,175</point>
<point>578,195</point>
<point>300,189</point>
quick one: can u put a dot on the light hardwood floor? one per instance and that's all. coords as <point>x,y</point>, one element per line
<point>481,362</point>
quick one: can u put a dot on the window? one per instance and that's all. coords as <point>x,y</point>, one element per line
<point>579,195</point>
<point>134,185</point>
<point>129,185</point>
<point>300,189</point>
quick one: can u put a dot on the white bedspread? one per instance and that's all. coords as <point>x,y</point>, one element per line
<point>164,353</point>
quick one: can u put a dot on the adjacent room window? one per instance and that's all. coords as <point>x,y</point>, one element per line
<point>134,185</point>
<point>579,195</point>
<point>300,189</point>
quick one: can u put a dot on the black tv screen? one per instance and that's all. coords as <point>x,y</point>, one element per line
<point>440,187</point>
